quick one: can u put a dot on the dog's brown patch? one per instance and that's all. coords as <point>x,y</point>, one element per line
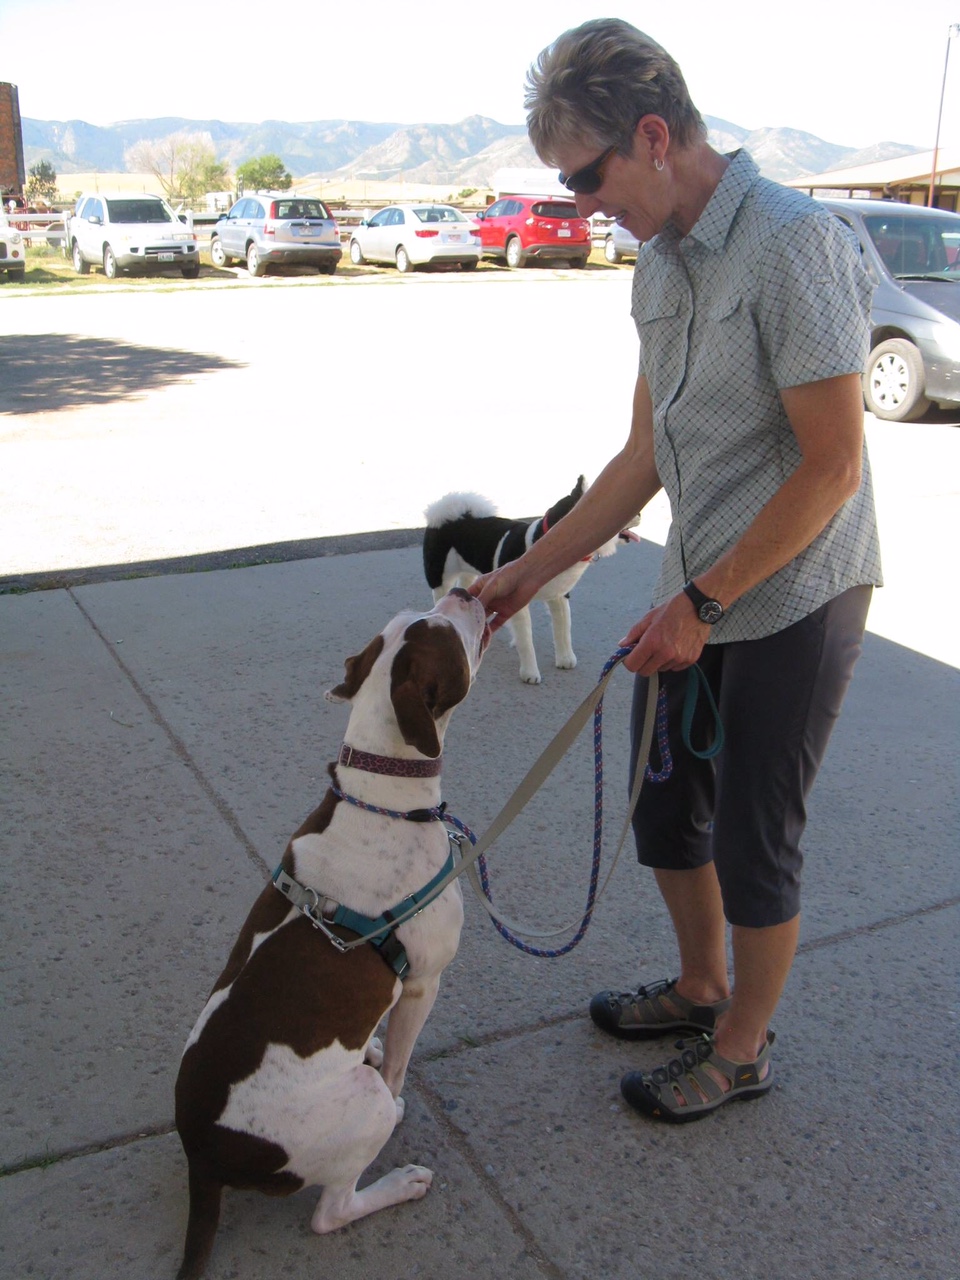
<point>430,675</point>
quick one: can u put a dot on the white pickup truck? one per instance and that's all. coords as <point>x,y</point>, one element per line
<point>125,232</point>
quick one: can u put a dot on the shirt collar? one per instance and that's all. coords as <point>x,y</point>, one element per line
<point>713,225</point>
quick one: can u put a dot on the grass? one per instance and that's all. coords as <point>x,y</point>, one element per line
<point>48,268</point>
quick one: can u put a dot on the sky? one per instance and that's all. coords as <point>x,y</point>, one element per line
<point>850,74</point>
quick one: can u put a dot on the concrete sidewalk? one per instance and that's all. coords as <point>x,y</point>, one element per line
<point>162,739</point>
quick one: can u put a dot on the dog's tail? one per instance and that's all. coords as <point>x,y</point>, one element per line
<point>454,506</point>
<point>205,1198</point>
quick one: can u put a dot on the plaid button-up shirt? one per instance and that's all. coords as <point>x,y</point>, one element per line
<point>767,291</point>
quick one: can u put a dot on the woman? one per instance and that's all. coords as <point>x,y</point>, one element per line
<point>752,310</point>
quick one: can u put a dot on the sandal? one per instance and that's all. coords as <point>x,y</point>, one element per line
<point>643,1015</point>
<point>682,1090</point>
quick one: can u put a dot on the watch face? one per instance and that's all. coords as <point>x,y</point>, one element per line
<point>711,611</point>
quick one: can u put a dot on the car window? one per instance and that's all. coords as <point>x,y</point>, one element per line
<point>256,210</point>
<point>286,209</point>
<point>496,209</point>
<point>396,218</point>
<point>555,209</point>
<point>380,219</point>
<point>912,246</point>
<point>438,213</point>
<point>138,211</point>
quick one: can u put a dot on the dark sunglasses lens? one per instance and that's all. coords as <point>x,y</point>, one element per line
<point>586,181</point>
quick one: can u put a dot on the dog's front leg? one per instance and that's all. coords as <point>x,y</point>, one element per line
<point>521,628</point>
<point>564,656</point>
<point>404,1025</point>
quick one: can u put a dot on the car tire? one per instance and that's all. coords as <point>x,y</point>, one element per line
<point>893,384</point>
<point>110,268</point>
<point>515,254</point>
<point>611,252</point>
<point>191,273</point>
<point>255,264</point>
<point>17,274</point>
<point>356,253</point>
<point>327,268</point>
<point>578,263</point>
<point>80,264</point>
<point>217,255</point>
<point>404,264</point>
<point>469,265</point>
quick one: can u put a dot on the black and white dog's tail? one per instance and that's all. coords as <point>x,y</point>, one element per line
<point>446,520</point>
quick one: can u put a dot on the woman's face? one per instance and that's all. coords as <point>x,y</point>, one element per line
<point>632,191</point>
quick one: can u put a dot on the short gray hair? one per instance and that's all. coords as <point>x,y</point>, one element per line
<point>596,81</point>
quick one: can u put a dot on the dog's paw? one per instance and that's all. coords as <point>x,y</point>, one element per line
<point>401,1109</point>
<point>374,1055</point>
<point>531,677</point>
<point>566,661</point>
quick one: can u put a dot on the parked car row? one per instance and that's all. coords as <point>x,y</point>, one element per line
<point>124,232</point>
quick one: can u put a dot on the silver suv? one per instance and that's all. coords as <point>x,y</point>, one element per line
<point>277,227</point>
<point>619,243</point>
<point>130,232</point>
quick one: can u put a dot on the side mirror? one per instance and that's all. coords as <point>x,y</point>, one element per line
<point>364,222</point>
<point>479,216</point>
<point>95,219</point>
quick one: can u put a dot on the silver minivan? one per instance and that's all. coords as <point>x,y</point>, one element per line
<point>913,255</point>
<point>276,227</point>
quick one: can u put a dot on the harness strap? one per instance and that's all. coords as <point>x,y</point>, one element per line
<point>378,932</point>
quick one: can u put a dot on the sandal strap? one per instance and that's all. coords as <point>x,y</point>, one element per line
<point>697,1085</point>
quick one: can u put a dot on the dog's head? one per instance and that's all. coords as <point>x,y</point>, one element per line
<point>420,666</point>
<point>565,505</point>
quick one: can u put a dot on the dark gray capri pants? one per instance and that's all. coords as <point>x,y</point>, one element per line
<point>745,810</point>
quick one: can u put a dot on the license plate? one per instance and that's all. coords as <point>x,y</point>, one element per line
<point>165,257</point>
<point>564,232</point>
<point>303,231</point>
<point>455,236</point>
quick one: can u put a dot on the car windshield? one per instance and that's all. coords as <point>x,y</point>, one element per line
<point>916,248</point>
<point>139,211</point>
<point>287,209</point>
<point>555,209</point>
<point>438,213</point>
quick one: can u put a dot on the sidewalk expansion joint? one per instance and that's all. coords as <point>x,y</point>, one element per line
<point>180,748</point>
<point>460,1142</point>
<point>50,1158</point>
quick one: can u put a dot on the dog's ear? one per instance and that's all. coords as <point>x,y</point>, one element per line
<point>430,675</point>
<point>579,489</point>
<point>357,669</point>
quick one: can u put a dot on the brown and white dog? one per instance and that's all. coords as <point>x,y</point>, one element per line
<point>465,537</point>
<point>279,1086</point>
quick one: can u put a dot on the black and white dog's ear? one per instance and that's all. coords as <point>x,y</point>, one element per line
<point>357,668</point>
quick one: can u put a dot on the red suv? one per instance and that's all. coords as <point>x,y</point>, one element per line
<point>522,227</point>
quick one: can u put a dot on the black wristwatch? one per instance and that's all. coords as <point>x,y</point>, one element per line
<point>708,611</point>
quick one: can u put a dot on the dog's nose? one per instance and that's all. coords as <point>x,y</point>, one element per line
<point>461,592</point>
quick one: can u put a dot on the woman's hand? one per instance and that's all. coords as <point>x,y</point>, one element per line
<point>668,638</point>
<point>505,592</point>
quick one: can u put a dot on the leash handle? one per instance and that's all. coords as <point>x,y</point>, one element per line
<point>696,683</point>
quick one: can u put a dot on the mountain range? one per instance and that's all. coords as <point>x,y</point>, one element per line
<point>466,154</point>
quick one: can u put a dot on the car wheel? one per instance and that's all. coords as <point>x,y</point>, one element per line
<point>191,273</point>
<point>356,253</point>
<point>17,274</point>
<point>611,252</point>
<point>80,264</point>
<point>403,260</point>
<point>255,265</point>
<point>515,257</point>
<point>327,268</point>
<point>217,255</point>
<point>110,268</point>
<point>577,263</point>
<point>893,382</point>
<point>469,265</point>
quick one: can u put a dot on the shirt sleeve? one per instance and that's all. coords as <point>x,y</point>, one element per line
<point>814,301</point>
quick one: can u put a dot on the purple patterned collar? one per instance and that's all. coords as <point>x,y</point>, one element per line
<point>391,766</point>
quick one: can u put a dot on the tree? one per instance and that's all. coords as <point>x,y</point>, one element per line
<point>185,164</point>
<point>265,172</point>
<point>42,184</point>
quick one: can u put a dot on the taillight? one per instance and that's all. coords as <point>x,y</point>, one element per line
<point>531,222</point>
<point>425,234</point>
<point>269,229</point>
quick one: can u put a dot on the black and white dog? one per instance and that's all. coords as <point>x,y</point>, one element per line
<point>465,537</point>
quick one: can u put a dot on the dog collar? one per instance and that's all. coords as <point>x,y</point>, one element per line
<point>390,766</point>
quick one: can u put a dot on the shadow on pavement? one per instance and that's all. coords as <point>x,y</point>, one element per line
<point>42,373</point>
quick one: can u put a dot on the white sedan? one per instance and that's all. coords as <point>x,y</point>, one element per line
<point>413,234</point>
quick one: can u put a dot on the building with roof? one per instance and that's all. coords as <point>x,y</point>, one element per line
<point>906,178</point>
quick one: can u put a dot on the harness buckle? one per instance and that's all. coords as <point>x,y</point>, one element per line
<point>316,919</point>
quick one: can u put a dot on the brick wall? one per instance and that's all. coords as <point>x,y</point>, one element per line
<point>12,175</point>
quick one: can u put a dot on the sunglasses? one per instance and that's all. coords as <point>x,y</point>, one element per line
<point>588,179</point>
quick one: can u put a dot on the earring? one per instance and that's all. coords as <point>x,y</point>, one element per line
<point>658,165</point>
